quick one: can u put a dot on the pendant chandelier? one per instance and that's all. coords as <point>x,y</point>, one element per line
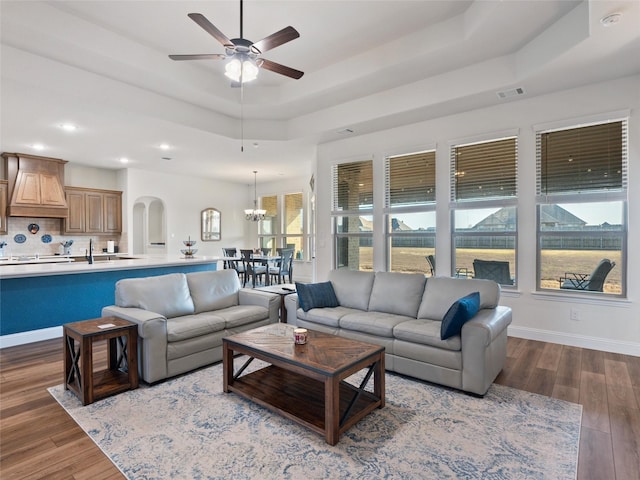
<point>255,214</point>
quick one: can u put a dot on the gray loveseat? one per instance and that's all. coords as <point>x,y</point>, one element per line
<point>182,318</point>
<point>403,313</point>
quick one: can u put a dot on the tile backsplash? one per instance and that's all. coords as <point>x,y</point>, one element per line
<point>48,226</point>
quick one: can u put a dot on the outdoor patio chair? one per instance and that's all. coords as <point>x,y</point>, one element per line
<point>493,270</point>
<point>593,282</point>
<point>432,264</point>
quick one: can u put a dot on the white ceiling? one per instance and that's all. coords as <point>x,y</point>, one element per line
<point>369,65</point>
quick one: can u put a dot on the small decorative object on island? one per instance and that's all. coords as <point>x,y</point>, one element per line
<point>66,247</point>
<point>189,252</point>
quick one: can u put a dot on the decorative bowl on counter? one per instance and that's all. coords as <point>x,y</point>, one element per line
<point>189,252</point>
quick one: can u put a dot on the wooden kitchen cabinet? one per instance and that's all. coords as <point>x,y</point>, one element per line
<point>93,211</point>
<point>3,206</point>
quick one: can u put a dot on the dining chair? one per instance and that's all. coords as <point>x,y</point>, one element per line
<point>251,269</point>
<point>284,268</point>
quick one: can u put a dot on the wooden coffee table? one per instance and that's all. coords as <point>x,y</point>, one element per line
<point>305,383</point>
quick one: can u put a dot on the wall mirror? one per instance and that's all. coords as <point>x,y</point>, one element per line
<point>210,225</point>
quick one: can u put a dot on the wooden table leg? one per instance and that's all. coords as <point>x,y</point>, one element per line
<point>132,357</point>
<point>227,367</point>
<point>86,367</point>
<point>378,380</point>
<point>332,410</point>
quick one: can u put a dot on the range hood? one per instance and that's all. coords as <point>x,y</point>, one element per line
<point>36,186</point>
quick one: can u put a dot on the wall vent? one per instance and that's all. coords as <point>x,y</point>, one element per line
<point>514,92</point>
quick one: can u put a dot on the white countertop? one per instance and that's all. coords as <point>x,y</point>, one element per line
<point>46,268</point>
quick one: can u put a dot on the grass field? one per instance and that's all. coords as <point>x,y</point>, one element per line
<point>554,262</point>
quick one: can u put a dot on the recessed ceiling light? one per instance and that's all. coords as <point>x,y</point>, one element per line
<point>609,20</point>
<point>164,146</point>
<point>37,146</point>
<point>124,160</point>
<point>68,127</point>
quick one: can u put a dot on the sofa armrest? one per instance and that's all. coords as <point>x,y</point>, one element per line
<point>484,348</point>
<point>486,325</point>
<point>270,301</point>
<point>149,323</point>
<point>292,304</point>
<point>152,340</point>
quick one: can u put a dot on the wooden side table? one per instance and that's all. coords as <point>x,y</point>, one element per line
<point>122,371</point>
<point>283,290</point>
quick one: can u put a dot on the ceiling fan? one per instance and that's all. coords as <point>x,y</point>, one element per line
<point>244,55</point>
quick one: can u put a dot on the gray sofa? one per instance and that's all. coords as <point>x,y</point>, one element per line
<point>403,313</point>
<point>182,318</point>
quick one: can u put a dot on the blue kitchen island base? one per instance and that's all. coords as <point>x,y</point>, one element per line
<point>40,302</point>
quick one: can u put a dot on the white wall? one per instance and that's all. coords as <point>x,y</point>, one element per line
<point>184,198</point>
<point>605,324</point>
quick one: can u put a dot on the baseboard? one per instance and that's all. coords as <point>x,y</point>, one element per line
<point>576,340</point>
<point>573,340</point>
<point>30,337</point>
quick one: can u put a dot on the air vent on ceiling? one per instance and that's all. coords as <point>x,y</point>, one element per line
<point>514,92</point>
<point>345,131</point>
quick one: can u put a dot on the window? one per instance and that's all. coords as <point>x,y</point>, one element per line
<point>410,195</point>
<point>294,224</point>
<point>268,228</point>
<point>352,215</point>
<point>284,228</point>
<point>581,208</point>
<point>483,209</point>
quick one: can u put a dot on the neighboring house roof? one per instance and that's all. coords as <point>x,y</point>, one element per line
<point>549,215</point>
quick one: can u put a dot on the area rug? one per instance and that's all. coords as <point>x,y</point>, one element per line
<point>187,428</point>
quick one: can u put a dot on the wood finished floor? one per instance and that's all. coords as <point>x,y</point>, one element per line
<point>39,440</point>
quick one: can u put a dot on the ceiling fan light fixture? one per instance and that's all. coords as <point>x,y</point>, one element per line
<point>241,70</point>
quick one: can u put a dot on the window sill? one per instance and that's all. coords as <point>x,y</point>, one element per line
<point>584,298</point>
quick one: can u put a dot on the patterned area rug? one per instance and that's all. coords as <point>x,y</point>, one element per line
<point>187,428</point>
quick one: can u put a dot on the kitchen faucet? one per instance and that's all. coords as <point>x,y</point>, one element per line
<point>89,256</point>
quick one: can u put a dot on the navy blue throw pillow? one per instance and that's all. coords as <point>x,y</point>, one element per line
<point>316,295</point>
<point>462,310</point>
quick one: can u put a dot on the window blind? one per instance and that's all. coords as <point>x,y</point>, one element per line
<point>484,170</point>
<point>270,204</point>
<point>583,159</point>
<point>293,217</point>
<point>410,179</point>
<point>353,186</point>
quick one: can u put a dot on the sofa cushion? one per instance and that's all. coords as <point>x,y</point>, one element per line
<point>352,287</point>
<point>325,316</point>
<point>190,326</point>
<point>167,295</point>
<point>462,310</point>
<point>398,293</point>
<point>213,290</point>
<point>425,332</point>
<point>242,315</point>
<point>441,292</point>
<point>316,295</point>
<point>374,323</point>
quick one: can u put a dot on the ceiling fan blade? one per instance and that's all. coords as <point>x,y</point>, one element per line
<point>281,69</point>
<point>210,29</point>
<point>203,56</point>
<point>276,39</point>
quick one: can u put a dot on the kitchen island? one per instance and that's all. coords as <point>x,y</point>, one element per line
<point>36,299</point>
